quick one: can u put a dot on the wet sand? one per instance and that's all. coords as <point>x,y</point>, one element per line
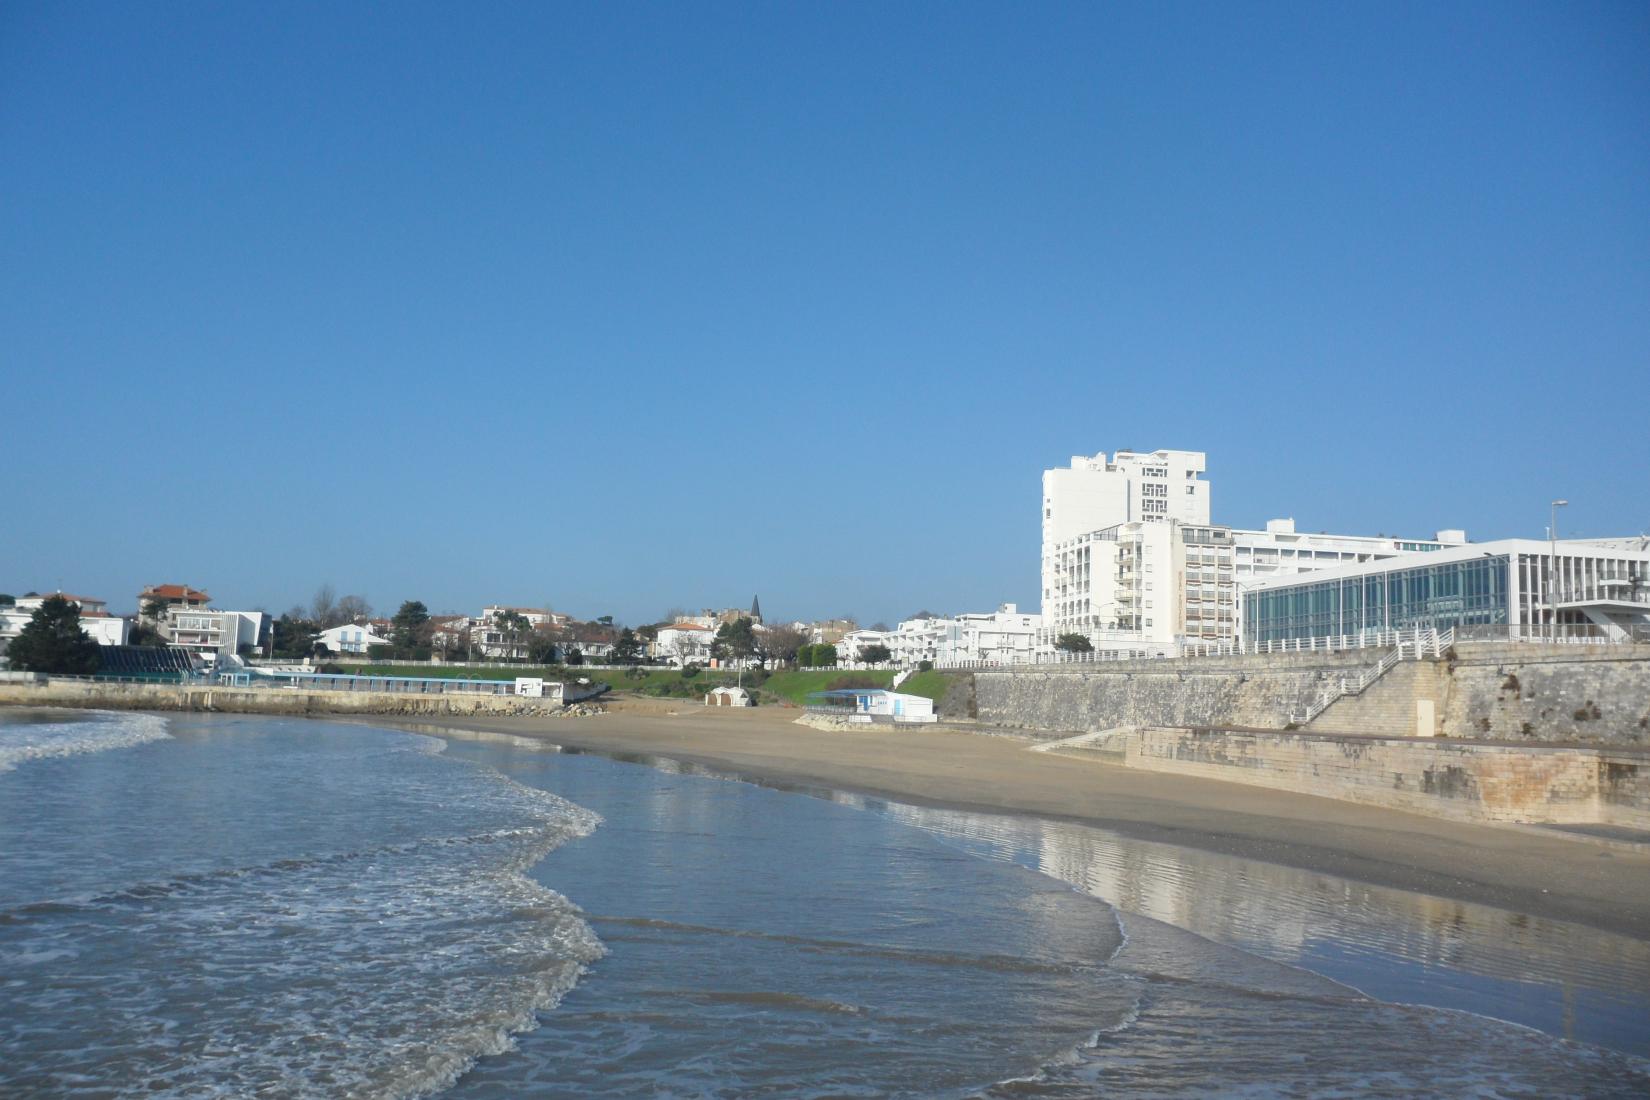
<point>1519,869</point>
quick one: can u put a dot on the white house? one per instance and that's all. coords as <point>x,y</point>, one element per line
<point>873,705</point>
<point>683,643</point>
<point>349,638</point>
<point>854,641</point>
<point>490,640</point>
<point>1005,636</point>
<point>213,634</point>
<point>95,620</point>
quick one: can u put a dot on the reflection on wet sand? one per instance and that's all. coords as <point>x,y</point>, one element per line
<point>1565,979</point>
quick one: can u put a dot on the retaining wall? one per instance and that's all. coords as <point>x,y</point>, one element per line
<point>1481,691</point>
<point>1455,779</point>
<point>1256,690</point>
<point>120,696</point>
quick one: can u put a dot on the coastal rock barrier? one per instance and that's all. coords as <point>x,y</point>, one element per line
<point>261,700</point>
<point>1470,781</point>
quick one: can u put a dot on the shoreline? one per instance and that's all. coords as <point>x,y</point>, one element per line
<point>1565,877</point>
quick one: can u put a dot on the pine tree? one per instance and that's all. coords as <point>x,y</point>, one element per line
<point>628,649</point>
<point>53,642</point>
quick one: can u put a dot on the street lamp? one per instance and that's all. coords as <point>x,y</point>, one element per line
<point>1552,567</point>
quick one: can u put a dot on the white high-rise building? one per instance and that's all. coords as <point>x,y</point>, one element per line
<point>1131,561</point>
<point>1099,492</point>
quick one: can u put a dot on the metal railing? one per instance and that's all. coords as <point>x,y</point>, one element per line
<point>1346,686</point>
<point>1564,634</point>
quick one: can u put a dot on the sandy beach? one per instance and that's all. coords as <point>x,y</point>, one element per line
<point>1518,869</point>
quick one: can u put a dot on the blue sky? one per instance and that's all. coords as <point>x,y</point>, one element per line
<point>622,307</point>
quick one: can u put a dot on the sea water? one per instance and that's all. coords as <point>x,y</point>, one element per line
<point>250,906</point>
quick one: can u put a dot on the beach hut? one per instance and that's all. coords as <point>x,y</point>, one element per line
<point>873,705</point>
<point>728,697</point>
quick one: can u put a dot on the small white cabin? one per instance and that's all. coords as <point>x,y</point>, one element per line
<point>728,697</point>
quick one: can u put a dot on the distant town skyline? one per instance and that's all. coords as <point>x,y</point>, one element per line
<point>623,309</point>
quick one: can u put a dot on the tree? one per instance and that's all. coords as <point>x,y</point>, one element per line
<point>409,629</point>
<point>542,650</point>
<point>736,639</point>
<point>53,642</point>
<point>924,614</point>
<point>295,635</point>
<point>783,643</point>
<point>353,609</point>
<point>1074,643</point>
<point>875,654</point>
<point>142,634</point>
<point>687,646</point>
<point>513,626</point>
<point>816,656</point>
<point>154,610</point>
<point>323,607</point>
<point>628,649</point>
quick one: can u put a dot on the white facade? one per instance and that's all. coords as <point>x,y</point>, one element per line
<point>1142,588</point>
<point>95,620</point>
<point>1131,561</point>
<point>489,640</point>
<point>1093,493</point>
<point>1593,589</point>
<point>848,649</point>
<point>683,643</point>
<point>349,638</point>
<point>212,634</point>
<point>869,704</point>
<point>1280,550</point>
<point>1004,636</point>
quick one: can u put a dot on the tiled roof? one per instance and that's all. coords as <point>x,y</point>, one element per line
<point>173,592</point>
<point>76,599</point>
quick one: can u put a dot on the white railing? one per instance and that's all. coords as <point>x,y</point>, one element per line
<point>1347,685</point>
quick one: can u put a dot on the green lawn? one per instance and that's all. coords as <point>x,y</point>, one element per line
<point>790,686</point>
<point>930,684</point>
<point>793,686</point>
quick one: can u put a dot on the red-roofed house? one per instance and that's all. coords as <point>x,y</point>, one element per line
<point>168,595</point>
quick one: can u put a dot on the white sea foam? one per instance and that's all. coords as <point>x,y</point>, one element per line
<point>93,731</point>
<point>383,969</point>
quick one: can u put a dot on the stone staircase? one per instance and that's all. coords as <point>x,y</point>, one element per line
<point>1386,707</point>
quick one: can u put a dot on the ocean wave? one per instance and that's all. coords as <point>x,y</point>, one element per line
<point>381,970</point>
<point>95,731</point>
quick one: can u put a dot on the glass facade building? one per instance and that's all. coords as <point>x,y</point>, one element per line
<point>1468,592</point>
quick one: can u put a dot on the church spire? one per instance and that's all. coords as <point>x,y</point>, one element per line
<point>756,609</point>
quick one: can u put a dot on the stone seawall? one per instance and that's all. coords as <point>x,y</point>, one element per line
<point>127,696</point>
<point>1479,691</point>
<point>1461,780</point>
<point>1257,690</point>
